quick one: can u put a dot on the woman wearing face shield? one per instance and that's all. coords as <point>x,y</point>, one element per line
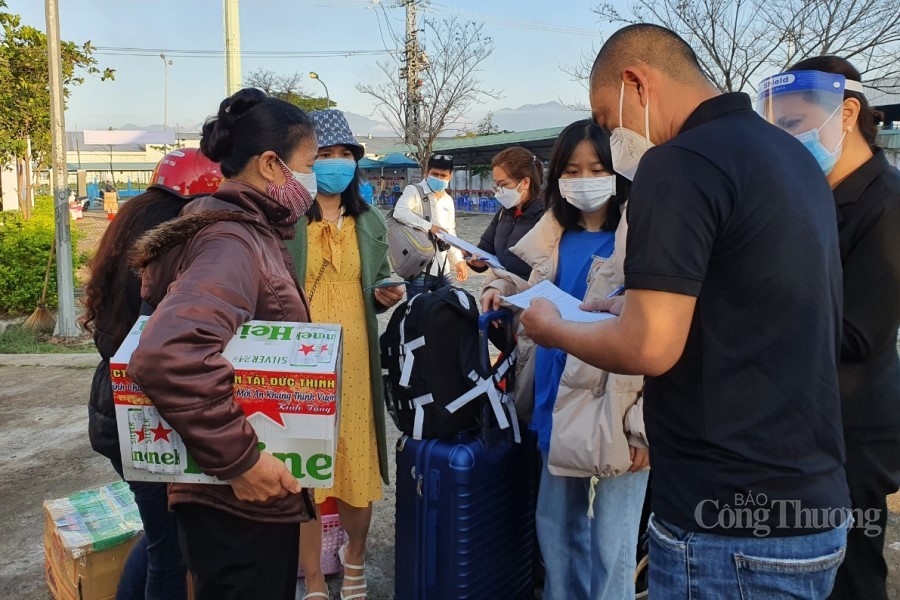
<point>587,513</point>
<point>518,175</point>
<point>867,194</point>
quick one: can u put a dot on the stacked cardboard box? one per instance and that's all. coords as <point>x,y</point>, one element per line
<point>87,537</point>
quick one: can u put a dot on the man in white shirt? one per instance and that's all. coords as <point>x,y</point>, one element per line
<point>409,211</point>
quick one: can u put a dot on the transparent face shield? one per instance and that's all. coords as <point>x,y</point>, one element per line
<point>807,104</point>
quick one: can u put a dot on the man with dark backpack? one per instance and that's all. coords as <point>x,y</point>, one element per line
<point>410,210</point>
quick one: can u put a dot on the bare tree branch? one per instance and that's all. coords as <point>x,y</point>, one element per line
<point>451,84</point>
<point>288,87</point>
<point>736,41</point>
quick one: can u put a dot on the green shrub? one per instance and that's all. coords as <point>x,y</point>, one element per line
<point>24,250</point>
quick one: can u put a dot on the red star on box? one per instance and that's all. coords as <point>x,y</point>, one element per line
<point>140,434</point>
<point>264,407</point>
<point>324,347</point>
<point>160,433</point>
<point>307,348</point>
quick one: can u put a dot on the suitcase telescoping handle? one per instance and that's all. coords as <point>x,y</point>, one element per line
<point>485,322</point>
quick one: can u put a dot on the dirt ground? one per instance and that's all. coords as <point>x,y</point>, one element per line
<point>46,454</point>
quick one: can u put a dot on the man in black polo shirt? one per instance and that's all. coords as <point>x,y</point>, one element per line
<point>732,309</point>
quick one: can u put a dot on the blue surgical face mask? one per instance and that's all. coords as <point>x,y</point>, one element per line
<point>813,142</point>
<point>333,175</point>
<point>437,185</point>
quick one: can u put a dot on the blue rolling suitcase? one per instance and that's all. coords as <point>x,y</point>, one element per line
<point>465,514</point>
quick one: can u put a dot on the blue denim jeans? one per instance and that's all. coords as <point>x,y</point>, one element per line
<point>154,569</point>
<point>589,559</point>
<point>424,282</point>
<point>699,566</point>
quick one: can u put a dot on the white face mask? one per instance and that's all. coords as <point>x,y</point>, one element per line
<point>588,194</point>
<point>627,146</point>
<point>307,180</point>
<point>508,198</point>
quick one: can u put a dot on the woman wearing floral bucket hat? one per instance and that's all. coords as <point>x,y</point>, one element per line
<point>340,252</point>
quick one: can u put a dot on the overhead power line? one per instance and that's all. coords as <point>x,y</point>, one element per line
<point>126,51</point>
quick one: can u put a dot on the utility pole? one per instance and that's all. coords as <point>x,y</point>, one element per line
<point>412,65</point>
<point>29,180</point>
<point>65,319</point>
<point>167,62</point>
<point>232,47</point>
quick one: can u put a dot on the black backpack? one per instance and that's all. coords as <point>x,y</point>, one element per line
<point>438,373</point>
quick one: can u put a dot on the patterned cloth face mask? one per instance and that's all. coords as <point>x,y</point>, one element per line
<point>296,195</point>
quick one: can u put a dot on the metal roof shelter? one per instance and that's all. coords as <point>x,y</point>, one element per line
<point>884,95</point>
<point>398,161</point>
<point>889,139</point>
<point>480,149</point>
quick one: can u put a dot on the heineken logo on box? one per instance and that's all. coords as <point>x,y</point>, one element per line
<point>286,380</point>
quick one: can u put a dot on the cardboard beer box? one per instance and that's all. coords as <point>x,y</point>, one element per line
<point>287,380</point>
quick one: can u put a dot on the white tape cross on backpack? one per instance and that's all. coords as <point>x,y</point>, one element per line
<point>497,399</point>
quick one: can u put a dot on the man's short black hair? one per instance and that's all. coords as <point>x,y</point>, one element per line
<point>440,161</point>
<point>652,45</point>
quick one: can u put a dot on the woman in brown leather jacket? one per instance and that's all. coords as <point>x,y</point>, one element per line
<point>220,264</point>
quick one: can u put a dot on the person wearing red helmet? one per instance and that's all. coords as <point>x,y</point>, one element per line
<point>155,568</point>
<point>186,172</point>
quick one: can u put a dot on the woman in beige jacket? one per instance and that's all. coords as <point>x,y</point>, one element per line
<point>588,421</point>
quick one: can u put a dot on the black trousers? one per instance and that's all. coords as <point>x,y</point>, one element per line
<point>873,473</point>
<point>231,558</point>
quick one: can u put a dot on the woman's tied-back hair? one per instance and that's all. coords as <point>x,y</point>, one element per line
<point>113,293</point>
<point>869,118</point>
<point>567,215</point>
<point>250,123</point>
<point>520,163</point>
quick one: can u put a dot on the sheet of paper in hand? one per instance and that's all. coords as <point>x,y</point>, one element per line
<point>568,305</point>
<point>472,249</point>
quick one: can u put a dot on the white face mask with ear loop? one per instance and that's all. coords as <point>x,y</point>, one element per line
<point>628,146</point>
<point>588,194</point>
<point>508,198</point>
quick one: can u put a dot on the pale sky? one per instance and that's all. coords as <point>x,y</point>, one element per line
<point>532,39</point>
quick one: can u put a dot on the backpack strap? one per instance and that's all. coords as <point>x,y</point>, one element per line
<point>406,348</point>
<point>419,419</point>
<point>426,202</point>
<point>426,214</point>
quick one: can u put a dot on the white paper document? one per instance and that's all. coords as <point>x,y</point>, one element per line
<point>568,305</point>
<point>465,246</point>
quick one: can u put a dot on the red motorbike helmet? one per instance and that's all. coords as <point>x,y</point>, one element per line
<point>186,172</point>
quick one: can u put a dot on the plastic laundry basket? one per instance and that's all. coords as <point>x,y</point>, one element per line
<point>332,537</point>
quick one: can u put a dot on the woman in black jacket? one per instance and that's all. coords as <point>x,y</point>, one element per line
<point>867,193</point>
<point>154,569</point>
<point>518,175</point>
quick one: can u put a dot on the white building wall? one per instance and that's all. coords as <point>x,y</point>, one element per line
<point>9,186</point>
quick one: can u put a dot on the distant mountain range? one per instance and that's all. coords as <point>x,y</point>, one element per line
<point>536,116</point>
<point>523,118</point>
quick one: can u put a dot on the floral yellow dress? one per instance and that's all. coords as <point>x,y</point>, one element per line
<point>333,281</point>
